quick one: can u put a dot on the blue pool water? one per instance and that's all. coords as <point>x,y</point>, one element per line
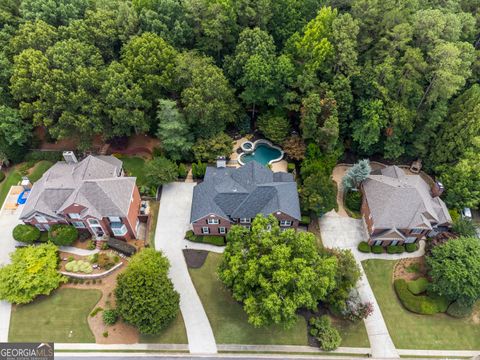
<point>263,154</point>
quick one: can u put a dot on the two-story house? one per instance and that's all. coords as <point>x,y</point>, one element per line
<point>229,196</point>
<point>92,195</point>
<point>400,208</point>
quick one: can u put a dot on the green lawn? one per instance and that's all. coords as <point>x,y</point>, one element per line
<point>39,170</point>
<point>134,166</point>
<point>229,321</point>
<point>413,331</point>
<point>13,177</point>
<point>60,317</point>
<point>353,334</point>
<point>154,207</point>
<point>174,334</point>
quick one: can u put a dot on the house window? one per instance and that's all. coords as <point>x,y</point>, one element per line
<point>416,231</point>
<point>221,230</point>
<point>114,219</point>
<point>74,216</point>
<point>213,221</point>
<point>78,224</point>
<point>205,230</point>
<point>39,227</point>
<point>118,229</point>
<point>411,239</point>
<point>93,222</point>
<point>245,220</point>
<point>285,223</point>
<point>41,219</point>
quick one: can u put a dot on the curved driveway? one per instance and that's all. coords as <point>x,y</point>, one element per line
<point>173,221</point>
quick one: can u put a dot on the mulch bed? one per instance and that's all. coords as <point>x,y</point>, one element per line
<point>307,314</point>
<point>195,258</point>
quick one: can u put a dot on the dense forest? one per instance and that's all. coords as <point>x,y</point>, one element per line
<point>396,79</point>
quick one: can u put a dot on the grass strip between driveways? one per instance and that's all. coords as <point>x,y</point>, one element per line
<point>414,331</point>
<point>175,333</point>
<point>13,177</point>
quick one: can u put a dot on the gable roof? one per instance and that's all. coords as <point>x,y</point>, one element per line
<point>94,183</point>
<point>400,201</point>
<point>245,192</point>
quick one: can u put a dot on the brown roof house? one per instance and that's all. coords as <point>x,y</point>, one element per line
<point>229,196</point>
<point>399,208</point>
<point>93,195</point>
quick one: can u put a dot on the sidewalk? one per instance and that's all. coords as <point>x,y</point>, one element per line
<point>77,251</point>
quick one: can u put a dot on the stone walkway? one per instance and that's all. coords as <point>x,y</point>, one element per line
<point>77,251</point>
<point>173,221</point>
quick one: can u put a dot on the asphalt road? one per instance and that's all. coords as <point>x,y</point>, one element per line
<point>202,357</point>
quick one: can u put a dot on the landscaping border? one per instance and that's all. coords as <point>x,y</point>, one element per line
<point>91,276</point>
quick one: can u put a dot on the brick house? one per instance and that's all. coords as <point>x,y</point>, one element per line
<point>229,196</point>
<point>93,195</point>
<point>399,208</point>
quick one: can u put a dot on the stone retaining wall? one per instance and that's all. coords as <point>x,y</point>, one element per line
<point>91,276</point>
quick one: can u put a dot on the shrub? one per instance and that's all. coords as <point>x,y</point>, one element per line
<point>62,235</point>
<point>395,249</point>
<point>305,220</point>
<point>458,310</point>
<point>43,236</point>
<point>420,304</point>
<point>290,167</point>
<point>96,311</point>
<point>327,336</point>
<point>93,258</point>
<point>353,200</point>
<point>191,236</point>
<point>464,227</point>
<point>364,247</point>
<point>356,311</point>
<point>36,156</point>
<point>411,247</point>
<point>2,176</point>
<point>110,317</point>
<point>198,170</point>
<point>214,240</point>
<point>104,246</point>
<point>70,258</point>
<point>377,249</point>
<point>26,233</point>
<point>79,266</point>
<point>418,286</point>
<point>182,171</point>
<point>105,261</point>
<point>90,245</point>
<point>122,246</point>
<point>105,334</point>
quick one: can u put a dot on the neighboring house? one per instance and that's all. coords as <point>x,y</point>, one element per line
<point>399,208</point>
<point>93,195</point>
<point>229,196</point>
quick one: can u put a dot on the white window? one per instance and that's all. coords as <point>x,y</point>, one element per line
<point>114,219</point>
<point>245,220</point>
<point>74,216</point>
<point>221,230</point>
<point>120,231</point>
<point>39,227</point>
<point>416,231</point>
<point>41,219</point>
<point>78,224</point>
<point>285,223</point>
<point>213,221</point>
<point>93,222</point>
<point>205,230</point>
<point>411,239</point>
<point>46,226</point>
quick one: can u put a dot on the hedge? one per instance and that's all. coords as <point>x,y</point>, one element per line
<point>418,286</point>
<point>305,220</point>
<point>122,246</point>
<point>395,249</point>
<point>2,176</point>
<point>52,156</point>
<point>364,247</point>
<point>206,239</point>
<point>290,167</point>
<point>411,247</point>
<point>377,249</point>
<point>62,235</point>
<point>26,233</point>
<point>458,310</point>
<point>353,200</point>
<point>420,304</point>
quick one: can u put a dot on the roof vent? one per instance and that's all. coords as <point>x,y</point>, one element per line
<point>69,157</point>
<point>437,189</point>
<point>221,162</point>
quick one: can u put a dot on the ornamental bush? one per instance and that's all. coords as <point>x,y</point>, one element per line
<point>395,249</point>
<point>377,249</point>
<point>327,336</point>
<point>79,266</point>
<point>459,310</point>
<point>110,316</point>
<point>411,247</point>
<point>26,233</point>
<point>353,200</point>
<point>420,304</point>
<point>305,220</point>
<point>62,235</point>
<point>418,286</point>
<point>364,247</point>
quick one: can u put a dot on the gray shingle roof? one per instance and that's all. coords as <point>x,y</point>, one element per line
<point>94,183</point>
<point>400,201</point>
<point>245,192</point>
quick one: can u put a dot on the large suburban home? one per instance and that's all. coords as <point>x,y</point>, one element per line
<point>92,195</point>
<point>229,196</point>
<point>400,208</point>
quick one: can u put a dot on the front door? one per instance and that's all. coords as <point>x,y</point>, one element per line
<point>96,228</point>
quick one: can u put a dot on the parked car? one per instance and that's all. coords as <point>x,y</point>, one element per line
<point>467,213</point>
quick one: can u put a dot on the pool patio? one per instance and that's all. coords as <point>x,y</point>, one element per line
<point>279,166</point>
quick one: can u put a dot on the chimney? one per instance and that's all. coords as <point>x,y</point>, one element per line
<point>69,157</point>
<point>437,189</point>
<point>221,162</point>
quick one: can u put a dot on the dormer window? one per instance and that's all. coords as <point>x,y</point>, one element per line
<point>41,219</point>
<point>245,220</point>
<point>213,221</point>
<point>416,231</point>
<point>74,216</point>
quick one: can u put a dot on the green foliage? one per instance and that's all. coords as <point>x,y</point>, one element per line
<point>96,311</point>
<point>275,127</point>
<point>145,295</point>
<point>52,156</point>
<point>454,269</point>
<point>198,170</point>
<point>110,317</point>
<point>355,175</point>
<point>464,227</point>
<point>378,249</point>
<point>56,12</point>
<point>32,272</point>
<point>411,247</point>
<point>79,266</point>
<point>206,239</point>
<point>364,247</point>
<point>418,286</point>
<point>90,245</point>
<point>275,273</point>
<point>305,220</point>
<point>2,176</point>
<point>327,336</point>
<point>353,200</point>
<point>62,235</point>
<point>290,167</point>
<point>15,133</point>
<point>208,150</point>
<point>395,249</point>
<point>294,147</point>
<point>160,171</point>
<point>318,194</point>
<point>182,171</point>
<point>459,310</point>
<point>421,304</point>
<point>26,233</point>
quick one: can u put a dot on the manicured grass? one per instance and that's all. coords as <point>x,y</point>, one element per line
<point>413,331</point>
<point>134,166</point>
<point>39,170</point>
<point>60,317</point>
<point>353,334</point>
<point>229,321</point>
<point>13,177</point>
<point>174,334</point>
<point>154,206</point>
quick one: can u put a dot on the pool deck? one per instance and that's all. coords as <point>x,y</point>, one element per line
<point>279,166</point>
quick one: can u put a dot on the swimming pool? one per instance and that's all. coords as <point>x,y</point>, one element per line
<point>263,152</point>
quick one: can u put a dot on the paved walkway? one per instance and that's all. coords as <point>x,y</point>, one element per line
<point>77,251</point>
<point>173,221</point>
<point>199,246</point>
<point>337,175</point>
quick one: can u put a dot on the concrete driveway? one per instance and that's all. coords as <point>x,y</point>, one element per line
<point>341,232</point>
<point>173,221</point>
